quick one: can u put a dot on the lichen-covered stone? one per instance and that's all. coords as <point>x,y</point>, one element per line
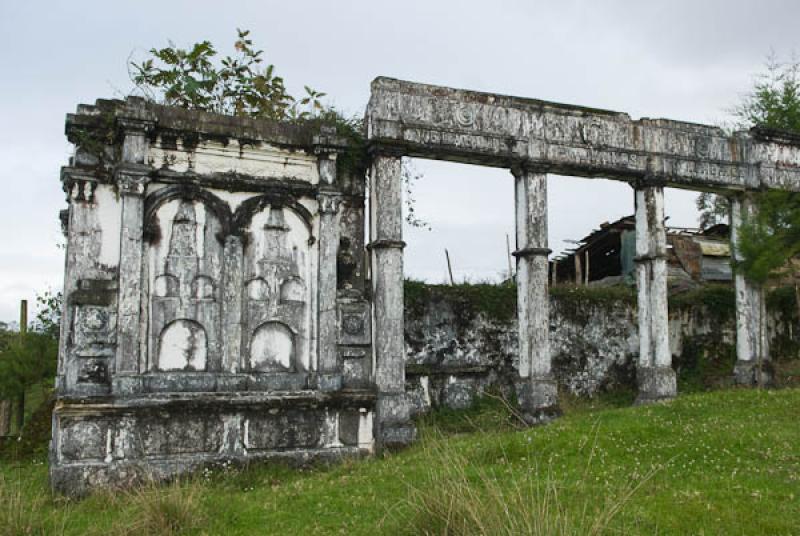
<point>204,318</point>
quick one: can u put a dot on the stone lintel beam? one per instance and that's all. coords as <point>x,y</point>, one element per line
<point>536,387</point>
<point>753,365</point>
<point>393,425</point>
<point>490,129</point>
<point>655,376</point>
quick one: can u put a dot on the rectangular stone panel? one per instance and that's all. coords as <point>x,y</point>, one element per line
<point>162,434</point>
<point>354,323</point>
<point>282,429</point>
<point>83,439</point>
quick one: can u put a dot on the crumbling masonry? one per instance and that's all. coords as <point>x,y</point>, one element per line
<point>219,304</point>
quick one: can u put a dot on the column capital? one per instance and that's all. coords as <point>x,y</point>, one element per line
<point>520,168</point>
<point>376,150</point>
<point>648,181</point>
<point>532,252</point>
<point>386,244</point>
<point>79,184</point>
<point>329,202</point>
<point>132,179</point>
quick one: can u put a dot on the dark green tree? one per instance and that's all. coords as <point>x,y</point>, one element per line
<point>28,359</point>
<point>773,103</point>
<point>771,239</point>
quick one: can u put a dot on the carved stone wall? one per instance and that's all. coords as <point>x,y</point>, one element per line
<point>199,251</point>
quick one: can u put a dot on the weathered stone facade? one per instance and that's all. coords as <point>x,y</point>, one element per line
<point>204,317</point>
<point>216,304</point>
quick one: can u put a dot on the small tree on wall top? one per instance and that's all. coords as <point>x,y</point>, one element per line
<point>243,85</point>
<point>237,85</point>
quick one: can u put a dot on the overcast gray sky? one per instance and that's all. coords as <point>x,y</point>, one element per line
<point>687,60</point>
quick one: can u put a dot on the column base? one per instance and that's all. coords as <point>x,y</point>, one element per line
<point>538,400</point>
<point>394,428</point>
<point>749,373</point>
<point>655,384</point>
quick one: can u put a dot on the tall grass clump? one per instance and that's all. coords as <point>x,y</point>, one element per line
<point>460,497</point>
<point>164,509</point>
<point>23,512</point>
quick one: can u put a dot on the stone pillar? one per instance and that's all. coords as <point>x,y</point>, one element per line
<point>537,390</point>
<point>752,341</point>
<point>328,373</point>
<point>393,426</point>
<point>655,376</point>
<point>132,178</point>
<point>233,254</point>
<point>81,271</point>
<point>326,147</point>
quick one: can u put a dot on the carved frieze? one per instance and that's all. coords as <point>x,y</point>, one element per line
<point>498,130</point>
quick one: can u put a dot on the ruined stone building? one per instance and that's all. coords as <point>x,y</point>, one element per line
<point>203,318</point>
<point>222,302</point>
<point>606,256</point>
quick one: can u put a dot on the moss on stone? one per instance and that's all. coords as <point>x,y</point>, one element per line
<point>718,300</point>
<point>783,300</point>
<point>497,302</point>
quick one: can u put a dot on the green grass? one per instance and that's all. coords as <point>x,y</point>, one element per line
<point>725,462</point>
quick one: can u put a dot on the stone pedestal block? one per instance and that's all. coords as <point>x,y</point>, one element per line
<point>655,383</point>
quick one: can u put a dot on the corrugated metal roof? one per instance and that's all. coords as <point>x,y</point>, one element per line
<point>714,248</point>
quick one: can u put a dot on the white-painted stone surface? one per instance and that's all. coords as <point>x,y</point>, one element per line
<point>213,157</point>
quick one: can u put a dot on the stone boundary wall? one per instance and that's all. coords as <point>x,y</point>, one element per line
<point>462,340</point>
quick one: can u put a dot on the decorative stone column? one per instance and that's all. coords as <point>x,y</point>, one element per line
<point>752,342</point>
<point>82,249</point>
<point>326,147</point>
<point>329,373</point>
<point>393,426</point>
<point>654,373</point>
<point>233,283</point>
<point>132,176</point>
<point>537,390</point>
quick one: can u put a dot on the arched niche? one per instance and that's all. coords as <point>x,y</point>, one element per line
<point>272,348</point>
<point>166,286</point>
<point>293,290</point>
<point>155,200</point>
<point>279,263</point>
<point>182,346</point>
<point>183,268</point>
<point>257,289</point>
<point>203,287</point>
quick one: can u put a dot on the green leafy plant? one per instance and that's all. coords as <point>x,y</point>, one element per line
<point>773,103</point>
<point>244,85</point>
<point>241,84</point>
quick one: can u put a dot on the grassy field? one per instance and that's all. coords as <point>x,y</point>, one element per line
<point>725,462</point>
